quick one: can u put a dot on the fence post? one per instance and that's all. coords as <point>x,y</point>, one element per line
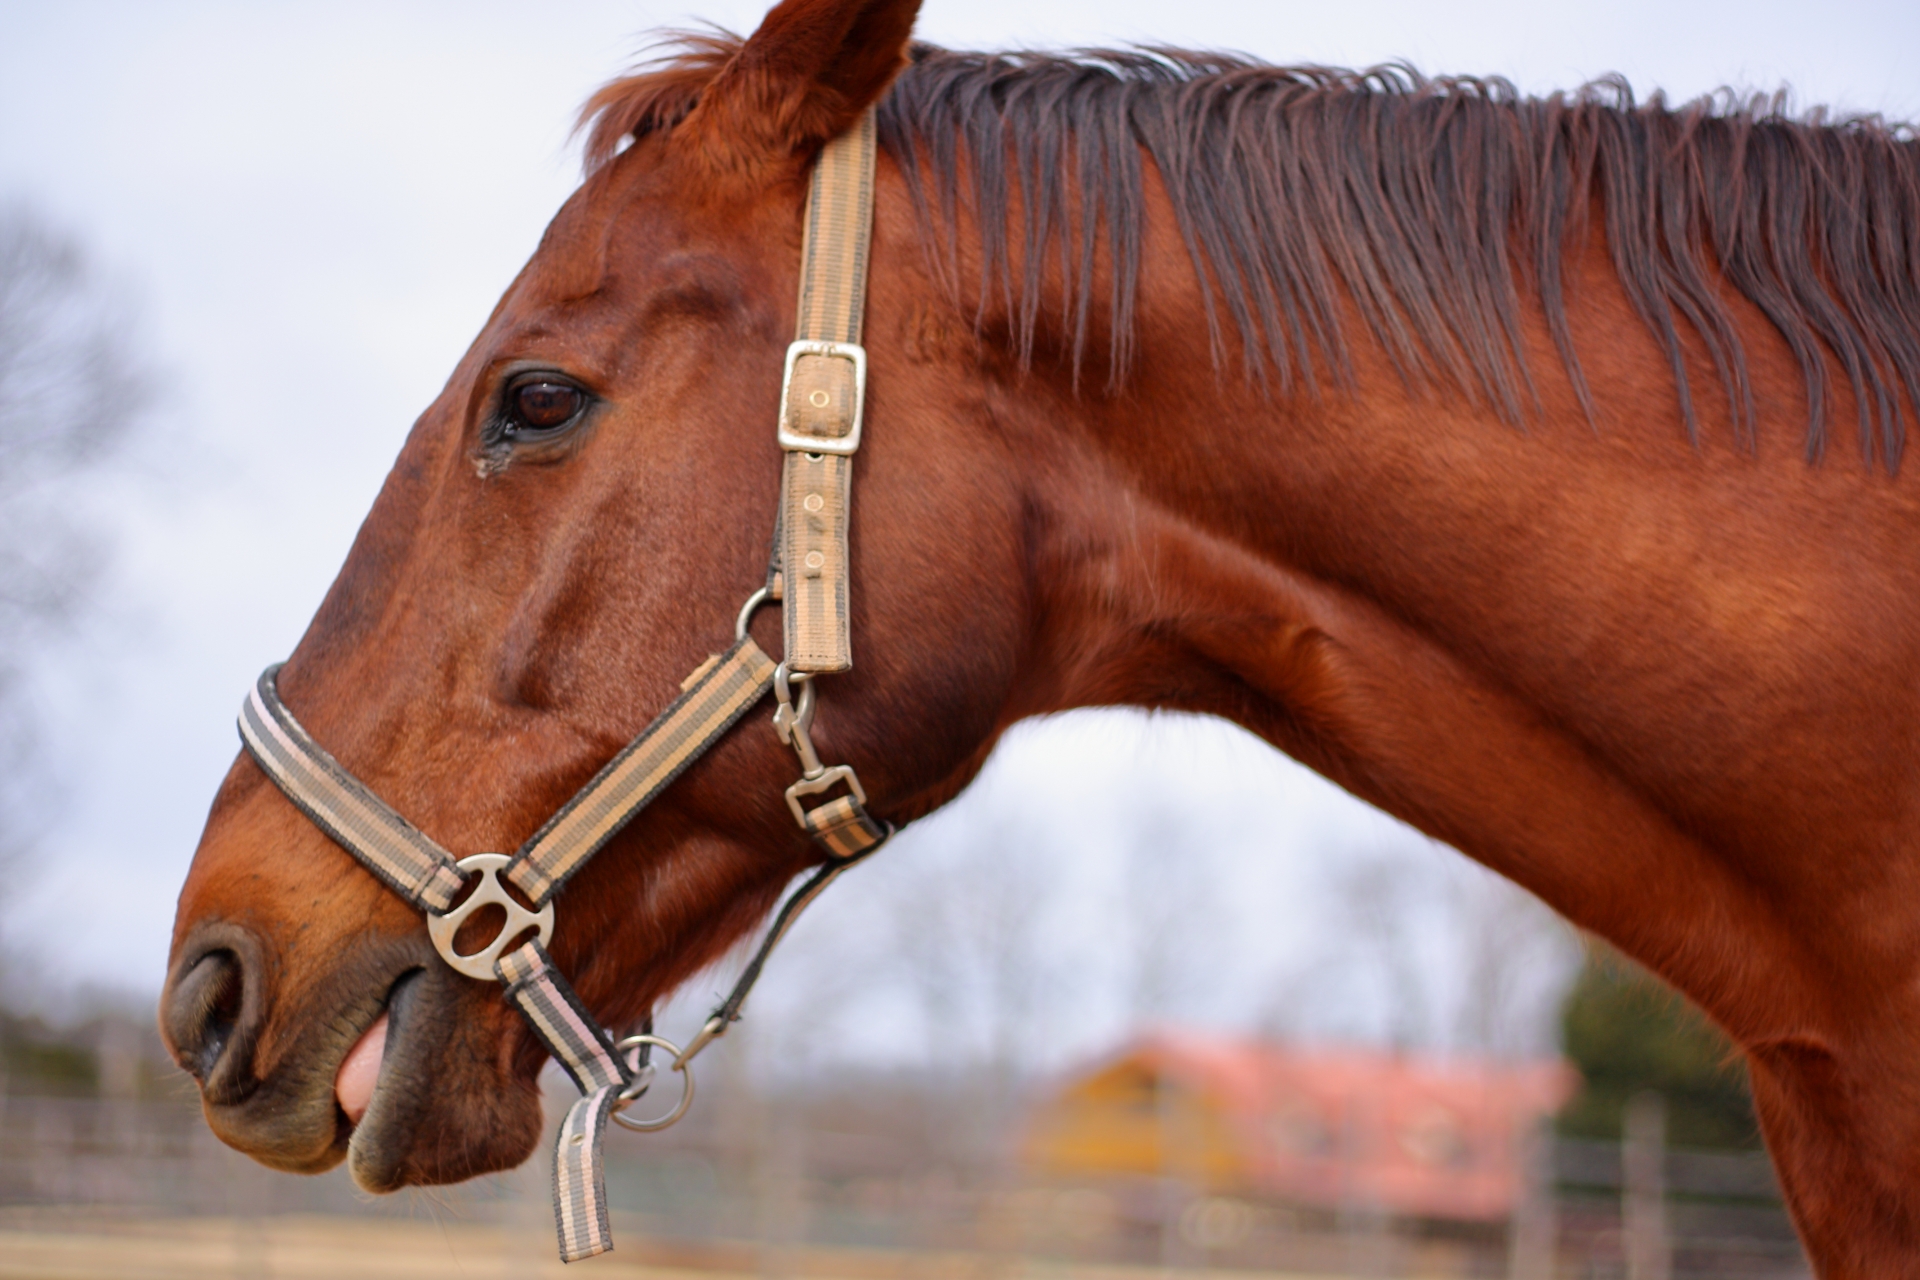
<point>1533,1235</point>
<point>1644,1211</point>
<point>1177,1182</point>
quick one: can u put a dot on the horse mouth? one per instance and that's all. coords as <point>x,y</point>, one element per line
<point>445,1103</point>
<point>415,1080</point>
<point>383,1100</point>
<point>363,1071</point>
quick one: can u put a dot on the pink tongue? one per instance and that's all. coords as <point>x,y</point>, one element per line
<point>361,1071</point>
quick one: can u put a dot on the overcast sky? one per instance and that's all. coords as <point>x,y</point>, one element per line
<point>312,208</point>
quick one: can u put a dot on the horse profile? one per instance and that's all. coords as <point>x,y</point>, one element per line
<point>1530,468</point>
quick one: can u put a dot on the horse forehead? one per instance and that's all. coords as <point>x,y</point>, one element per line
<point>624,216</point>
<point>576,253</point>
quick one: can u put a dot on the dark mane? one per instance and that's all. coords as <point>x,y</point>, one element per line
<point>1430,203</point>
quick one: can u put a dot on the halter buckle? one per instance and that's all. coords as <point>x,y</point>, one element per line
<point>442,928</point>
<point>794,440</point>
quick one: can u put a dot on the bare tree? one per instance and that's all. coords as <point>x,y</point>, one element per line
<point>69,392</point>
<point>1441,953</point>
<point>1173,912</point>
<point>1517,960</point>
<point>973,943</point>
<point>953,933</point>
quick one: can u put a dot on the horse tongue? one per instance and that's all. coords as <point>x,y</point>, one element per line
<point>361,1071</point>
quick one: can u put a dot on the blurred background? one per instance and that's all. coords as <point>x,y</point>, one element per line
<point>1148,998</point>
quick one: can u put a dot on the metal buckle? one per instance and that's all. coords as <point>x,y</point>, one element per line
<point>795,442</point>
<point>441,928</point>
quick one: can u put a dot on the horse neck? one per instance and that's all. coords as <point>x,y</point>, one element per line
<point>1203,500</point>
<point>1198,528</point>
<point>1490,628</point>
<point>1195,509</point>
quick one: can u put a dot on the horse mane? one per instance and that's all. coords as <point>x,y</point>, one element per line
<point>1429,203</point>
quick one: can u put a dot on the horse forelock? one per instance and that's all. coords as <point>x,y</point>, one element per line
<point>656,96</point>
<point>1436,210</point>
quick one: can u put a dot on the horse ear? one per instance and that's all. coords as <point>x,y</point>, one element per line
<point>802,78</point>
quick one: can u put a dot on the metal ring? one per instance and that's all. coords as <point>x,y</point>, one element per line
<point>754,601</point>
<point>686,1086</point>
<point>442,928</point>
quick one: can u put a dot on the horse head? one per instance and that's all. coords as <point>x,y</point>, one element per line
<point>571,527</point>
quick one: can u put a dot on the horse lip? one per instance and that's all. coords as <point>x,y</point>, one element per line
<point>392,1006</point>
<point>379,1144</point>
<point>283,1112</point>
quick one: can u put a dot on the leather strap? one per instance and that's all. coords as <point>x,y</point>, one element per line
<point>833,254</point>
<point>845,829</point>
<point>581,1046</point>
<point>423,872</point>
<point>718,694</point>
<point>822,403</point>
<point>395,850</point>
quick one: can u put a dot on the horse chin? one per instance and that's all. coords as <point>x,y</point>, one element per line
<point>439,1112</point>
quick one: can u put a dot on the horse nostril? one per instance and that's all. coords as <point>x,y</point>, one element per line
<point>203,1009</point>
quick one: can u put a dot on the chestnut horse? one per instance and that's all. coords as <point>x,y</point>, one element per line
<point>1478,452</point>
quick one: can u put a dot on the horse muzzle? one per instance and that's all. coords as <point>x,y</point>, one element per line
<point>273,1095</point>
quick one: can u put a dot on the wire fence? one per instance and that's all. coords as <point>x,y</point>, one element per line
<point>916,1180</point>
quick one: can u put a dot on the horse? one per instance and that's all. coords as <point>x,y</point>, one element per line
<point>1528,467</point>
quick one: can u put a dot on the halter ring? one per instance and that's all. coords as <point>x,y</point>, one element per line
<point>641,1084</point>
<point>763,596</point>
<point>442,928</point>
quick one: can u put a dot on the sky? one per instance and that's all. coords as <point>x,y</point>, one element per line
<point>311,208</point>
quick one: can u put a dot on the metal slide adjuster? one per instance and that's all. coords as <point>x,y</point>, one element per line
<point>442,928</point>
<point>799,442</point>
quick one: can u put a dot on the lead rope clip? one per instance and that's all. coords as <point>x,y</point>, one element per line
<point>793,722</point>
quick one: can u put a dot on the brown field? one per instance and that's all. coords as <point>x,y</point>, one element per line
<point>60,1246</point>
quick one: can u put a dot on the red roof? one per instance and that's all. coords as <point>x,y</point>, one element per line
<point>1418,1136</point>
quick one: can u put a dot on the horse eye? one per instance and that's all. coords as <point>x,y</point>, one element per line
<point>544,405</point>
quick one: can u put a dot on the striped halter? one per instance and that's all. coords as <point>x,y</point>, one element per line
<point>822,394</point>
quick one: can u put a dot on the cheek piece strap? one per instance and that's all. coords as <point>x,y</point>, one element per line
<point>821,408</point>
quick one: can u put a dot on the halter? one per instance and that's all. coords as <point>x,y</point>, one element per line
<point>822,396</point>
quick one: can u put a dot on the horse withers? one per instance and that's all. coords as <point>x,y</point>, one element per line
<point>1529,468</point>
